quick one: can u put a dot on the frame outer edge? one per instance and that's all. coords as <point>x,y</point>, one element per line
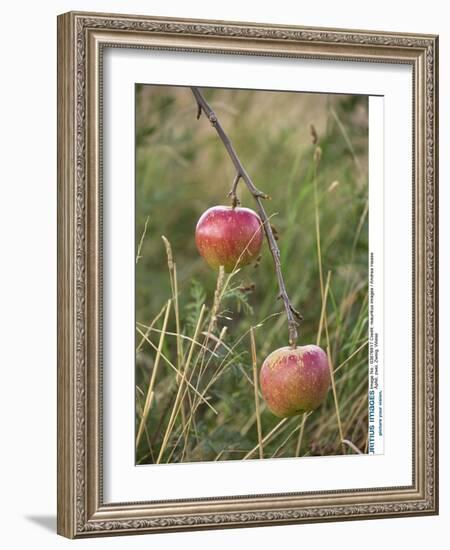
<point>65,280</point>
<point>75,430</point>
<point>435,264</point>
<point>436,213</point>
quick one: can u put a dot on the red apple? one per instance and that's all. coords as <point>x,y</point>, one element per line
<point>228,236</point>
<point>295,380</point>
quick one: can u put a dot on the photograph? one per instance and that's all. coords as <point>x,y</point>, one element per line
<point>251,275</point>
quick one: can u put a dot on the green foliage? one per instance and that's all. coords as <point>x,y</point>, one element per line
<point>238,297</point>
<point>193,307</point>
<point>181,170</point>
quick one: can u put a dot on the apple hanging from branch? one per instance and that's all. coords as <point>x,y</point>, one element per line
<point>229,236</point>
<point>294,381</point>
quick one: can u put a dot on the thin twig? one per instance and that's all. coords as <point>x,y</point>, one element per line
<point>293,316</point>
<point>255,383</point>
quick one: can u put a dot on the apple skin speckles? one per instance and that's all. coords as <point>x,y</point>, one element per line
<point>294,381</point>
<point>228,236</point>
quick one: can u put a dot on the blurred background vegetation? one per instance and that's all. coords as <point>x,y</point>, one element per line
<point>182,169</point>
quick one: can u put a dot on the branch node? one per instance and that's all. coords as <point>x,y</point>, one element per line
<point>296,313</point>
<point>262,195</point>
<point>275,232</point>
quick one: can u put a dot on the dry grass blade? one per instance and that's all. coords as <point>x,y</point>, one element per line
<point>223,365</point>
<point>180,394</point>
<point>218,373</point>
<point>219,340</point>
<point>196,404</point>
<point>173,367</point>
<point>324,307</point>
<point>140,410</point>
<point>352,446</point>
<point>347,140</point>
<point>149,396</point>
<point>300,435</point>
<point>145,337</point>
<point>361,347</point>
<point>323,292</point>
<point>325,425</point>
<point>255,383</point>
<point>267,438</point>
<point>316,159</point>
<point>336,404</point>
<point>174,286</point>
<point>355,412</point>
<point>298,427</point>
<point>141,241</point>
<point>218,294</point>
<point>150,327</point>
<point>245,428</point>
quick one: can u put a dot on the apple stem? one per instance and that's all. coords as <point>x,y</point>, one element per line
<point>293,316</point>
<point>234,199</point>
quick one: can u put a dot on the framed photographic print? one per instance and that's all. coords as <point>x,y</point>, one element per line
<point>247,285</point>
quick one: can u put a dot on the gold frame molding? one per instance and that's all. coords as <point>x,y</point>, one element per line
<point>81,38</point>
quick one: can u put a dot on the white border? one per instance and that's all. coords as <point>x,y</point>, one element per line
<point>376,270</point>
<point>123,481</point>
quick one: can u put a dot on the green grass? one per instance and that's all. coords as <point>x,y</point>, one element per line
<point>202,405</point>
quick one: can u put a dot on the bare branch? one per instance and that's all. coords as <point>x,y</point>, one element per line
<point>291,313</point>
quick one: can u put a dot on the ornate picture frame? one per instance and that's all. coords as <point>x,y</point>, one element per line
<point>82,38</point>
